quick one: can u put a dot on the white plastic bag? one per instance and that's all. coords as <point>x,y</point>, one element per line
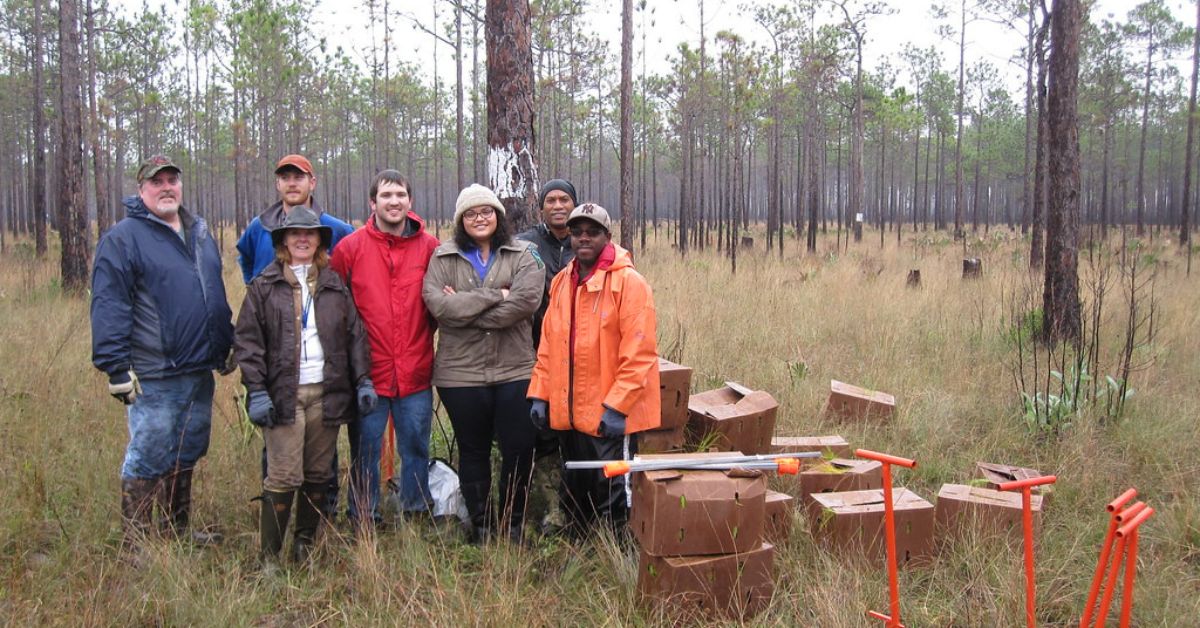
<point>443,487</point>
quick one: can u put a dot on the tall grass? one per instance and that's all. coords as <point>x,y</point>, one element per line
<point>940,349</point>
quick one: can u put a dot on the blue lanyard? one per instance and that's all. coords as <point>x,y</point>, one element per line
<point>304,312</point>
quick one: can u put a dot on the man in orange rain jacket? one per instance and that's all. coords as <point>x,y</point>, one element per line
<point>596,377</point>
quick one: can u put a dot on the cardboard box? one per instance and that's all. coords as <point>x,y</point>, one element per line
<point>996,474</point>
<point>741,419</point>
<point>829,446</point>
<point>735,586</point>
<point>839,475</point>
<point>695,513</point>
<point>847,401</point>
<point>670,440</point>
<point>778,526</point>
<point>675,384</point>
<point>853,522</point>
<point>984,509</point>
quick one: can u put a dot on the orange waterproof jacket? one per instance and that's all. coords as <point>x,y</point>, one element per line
<point>615,362</point>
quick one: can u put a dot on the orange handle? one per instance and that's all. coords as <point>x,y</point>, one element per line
<point>614,469</point>
<point>1129,513</point>
<point>788,466</point>
<point>1131,527</point>
<point>1027,483</point>
<point>888,458</point>
<point>1121,499</point>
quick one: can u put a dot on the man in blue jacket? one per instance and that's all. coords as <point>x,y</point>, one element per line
<point>295,182</point>
<point>160,325</point>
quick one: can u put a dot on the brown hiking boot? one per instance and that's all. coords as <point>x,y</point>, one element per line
<point>175,504</point>
<point>137,504</point>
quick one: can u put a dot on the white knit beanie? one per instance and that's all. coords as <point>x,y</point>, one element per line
<point>472,196</point>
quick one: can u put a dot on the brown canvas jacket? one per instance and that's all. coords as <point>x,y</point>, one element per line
<point>267,345</point>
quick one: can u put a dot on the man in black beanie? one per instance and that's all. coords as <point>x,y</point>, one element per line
<point>557,199</point>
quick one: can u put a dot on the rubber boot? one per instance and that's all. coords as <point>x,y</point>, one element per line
<point>137,505</point>
<point>273,521</point>
<point>476,497</point>
<point>308,519</point>
<point>176,504</point>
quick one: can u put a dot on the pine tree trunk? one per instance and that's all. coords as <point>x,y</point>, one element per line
<point>1061,307</point>
<point>511,165</point>
<point>72,204</point>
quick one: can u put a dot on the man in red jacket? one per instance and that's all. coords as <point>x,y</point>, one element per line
<point>384,263</point>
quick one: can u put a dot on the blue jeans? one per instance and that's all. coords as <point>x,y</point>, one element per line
<point>412,417</point>
<point>169,425</point>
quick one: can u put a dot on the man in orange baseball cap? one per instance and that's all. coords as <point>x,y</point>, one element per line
<point>295,181</point>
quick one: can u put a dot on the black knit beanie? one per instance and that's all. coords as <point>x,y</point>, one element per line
<point>561,185</point>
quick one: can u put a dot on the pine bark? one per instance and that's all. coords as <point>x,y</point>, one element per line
<point>72,204</point>
<point>511,166</point>
<point>1060,305</point>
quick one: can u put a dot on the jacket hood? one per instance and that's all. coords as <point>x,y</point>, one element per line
<point>415,225</point>
<point>135,208</point>
<point>272,216</point>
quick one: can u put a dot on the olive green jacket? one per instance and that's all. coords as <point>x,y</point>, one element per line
<point>483,337</point>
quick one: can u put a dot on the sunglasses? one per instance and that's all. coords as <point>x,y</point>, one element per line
<point>486,212</point>
<point>592,232</point>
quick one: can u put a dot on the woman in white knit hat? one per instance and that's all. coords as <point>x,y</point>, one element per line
<point>483,286</point>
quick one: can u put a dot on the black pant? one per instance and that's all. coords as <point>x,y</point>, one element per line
<point>481,414</point>
<point>586,495</point>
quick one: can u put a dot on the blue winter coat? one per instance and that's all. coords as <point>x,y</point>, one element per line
<point>255,250</point>
<point>158,302</point>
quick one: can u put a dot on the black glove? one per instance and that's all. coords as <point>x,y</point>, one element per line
<point>612,423</point>
<point>260,409</point>
<point>125,386</point>
<point>539,414</point>
<point>367,399</point>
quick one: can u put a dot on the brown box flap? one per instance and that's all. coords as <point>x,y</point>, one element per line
<point>850,390</point>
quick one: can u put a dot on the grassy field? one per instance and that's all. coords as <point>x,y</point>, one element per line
<point>785,326</point>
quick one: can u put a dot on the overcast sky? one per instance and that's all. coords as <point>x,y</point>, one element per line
<point>676,21</point>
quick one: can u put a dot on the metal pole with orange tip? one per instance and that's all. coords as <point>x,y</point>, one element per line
<point>1026,487</point>
<point>783,466</point>
<point>1114,509</point>
<point>1130,531</point>
<point>889,524</point>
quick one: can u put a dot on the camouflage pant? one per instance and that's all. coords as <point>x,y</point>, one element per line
<point>543,508</point>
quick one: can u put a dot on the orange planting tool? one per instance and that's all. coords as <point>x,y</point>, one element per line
<point>1114,510</point>
<point>1128,522</point>
<point>1026,487</point>
<point>889,523</point>
<point>1130,531</point>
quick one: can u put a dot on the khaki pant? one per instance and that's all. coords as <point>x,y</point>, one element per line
<point>301,451</point>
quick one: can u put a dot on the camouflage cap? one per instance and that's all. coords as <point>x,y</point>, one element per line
<point>153,166</point>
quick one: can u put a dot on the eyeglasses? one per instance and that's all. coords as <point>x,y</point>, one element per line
<point>486,212</point>
<point>592,232</point>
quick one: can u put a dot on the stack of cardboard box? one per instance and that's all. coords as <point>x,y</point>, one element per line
<point>701,539</point>
<point>675,385</point>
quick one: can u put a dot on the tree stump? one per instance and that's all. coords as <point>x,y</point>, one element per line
<point>914,278</point>
<point>972,268</point>
<point>747,242</point>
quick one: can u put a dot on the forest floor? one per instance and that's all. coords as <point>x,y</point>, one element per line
<point>787,326</point>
